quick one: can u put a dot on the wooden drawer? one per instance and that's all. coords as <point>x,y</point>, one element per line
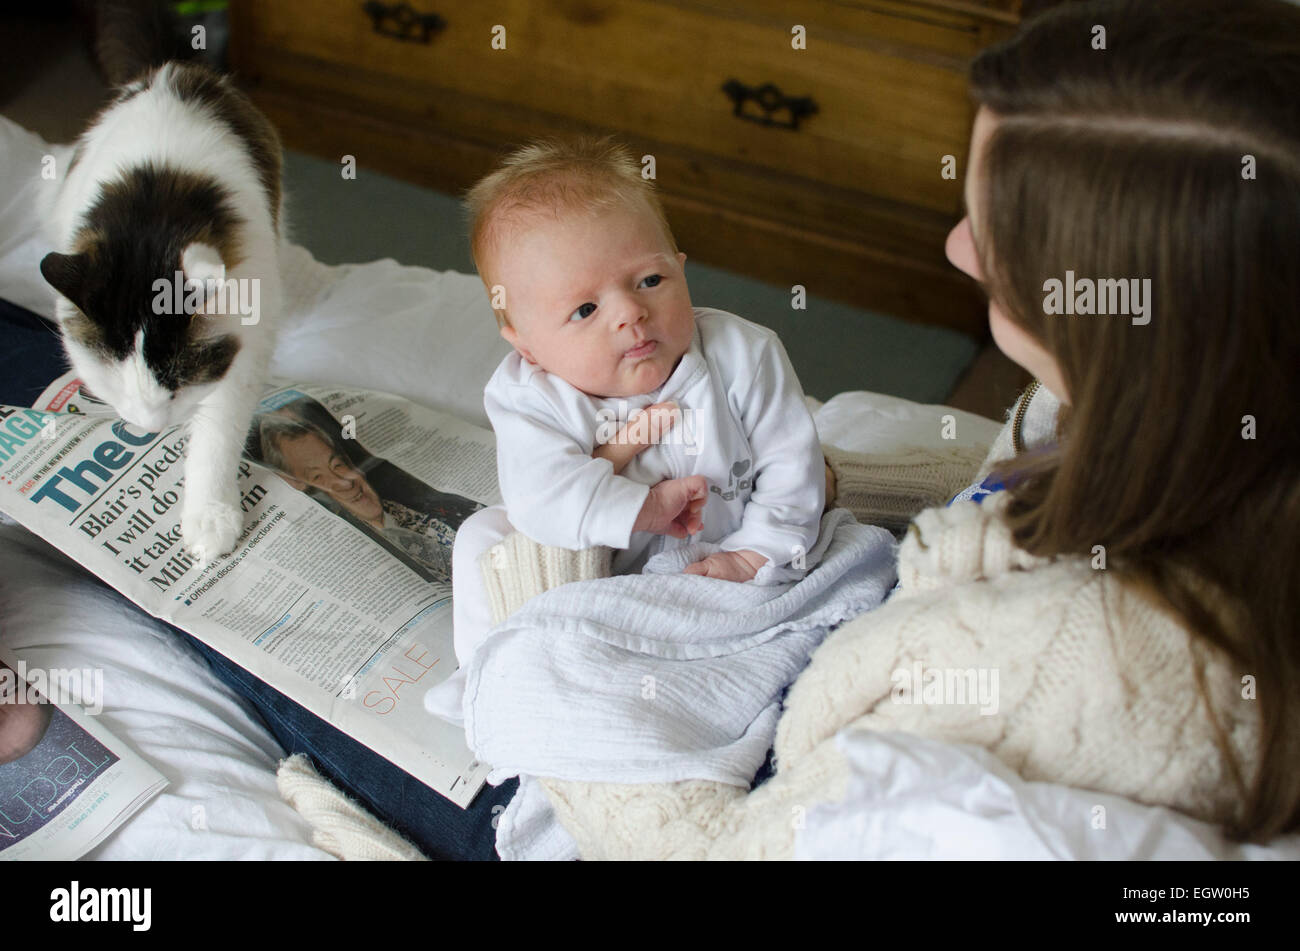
<point>887,108</point>
<point>857,179</point>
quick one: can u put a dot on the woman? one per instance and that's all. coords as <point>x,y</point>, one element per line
<point>1130,565</point>
<point>1128,557</point>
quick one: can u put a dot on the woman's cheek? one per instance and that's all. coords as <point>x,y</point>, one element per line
<point>1023,349</point>
<point>1011,340</point>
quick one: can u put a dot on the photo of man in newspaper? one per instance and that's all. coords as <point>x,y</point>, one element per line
<point>303,444</point>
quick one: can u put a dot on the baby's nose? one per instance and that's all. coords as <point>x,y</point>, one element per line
<point>634,313</point>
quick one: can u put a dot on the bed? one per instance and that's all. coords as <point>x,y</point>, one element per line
<point>430,337</point>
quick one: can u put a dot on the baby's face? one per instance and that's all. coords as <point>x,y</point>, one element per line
<point>599,301</point>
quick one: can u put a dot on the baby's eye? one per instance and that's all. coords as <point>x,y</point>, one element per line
<point>586,310</point>
<point>651,281</point>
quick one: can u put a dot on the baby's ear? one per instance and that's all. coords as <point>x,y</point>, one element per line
<point>511,337</point>
<point>681,259</point>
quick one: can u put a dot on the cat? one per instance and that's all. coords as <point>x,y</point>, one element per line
<point>173,192</point>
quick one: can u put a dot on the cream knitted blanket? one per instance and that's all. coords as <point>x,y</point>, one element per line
<point>1098,690</point>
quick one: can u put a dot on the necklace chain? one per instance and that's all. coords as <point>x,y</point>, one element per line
<point>1017,442</point>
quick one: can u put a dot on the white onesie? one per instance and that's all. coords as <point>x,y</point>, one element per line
<point>744,426</point>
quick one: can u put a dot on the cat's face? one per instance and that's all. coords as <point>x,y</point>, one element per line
<point>130,347</point>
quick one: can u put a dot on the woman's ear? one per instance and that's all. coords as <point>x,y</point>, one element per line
<point>511,337</point>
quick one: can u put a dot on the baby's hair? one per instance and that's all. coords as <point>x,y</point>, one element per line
<point>584,174</point>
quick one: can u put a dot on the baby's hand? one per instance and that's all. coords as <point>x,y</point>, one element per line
<point>674,507</point>
<point>728,565</point>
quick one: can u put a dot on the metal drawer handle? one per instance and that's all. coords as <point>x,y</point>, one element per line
<point>770,100</point>
<point>401,22</point>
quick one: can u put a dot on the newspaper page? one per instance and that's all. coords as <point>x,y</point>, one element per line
<point>338,591</point>
<point>65,781</point>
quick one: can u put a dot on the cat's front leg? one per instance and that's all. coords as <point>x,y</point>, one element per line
<point>211,518</point>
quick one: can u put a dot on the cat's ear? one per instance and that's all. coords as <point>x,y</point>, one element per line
<point>202,264</point>
<point>66,273</point>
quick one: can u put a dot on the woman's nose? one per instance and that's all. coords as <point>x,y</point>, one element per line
<point>960,249</point>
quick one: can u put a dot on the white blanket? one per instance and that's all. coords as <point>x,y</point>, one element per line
<point>656,677</point>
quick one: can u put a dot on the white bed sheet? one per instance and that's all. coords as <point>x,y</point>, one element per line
<point>431,337</point>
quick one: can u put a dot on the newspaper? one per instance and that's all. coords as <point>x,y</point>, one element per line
<point>338,592</point>
<point>65,781</point>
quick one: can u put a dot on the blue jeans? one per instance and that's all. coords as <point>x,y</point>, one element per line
<point>436,826</point>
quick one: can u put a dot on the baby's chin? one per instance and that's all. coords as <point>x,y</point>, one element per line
<point>644,377</point>
<point>647,377</point>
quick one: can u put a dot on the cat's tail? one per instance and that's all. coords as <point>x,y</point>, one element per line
<point>134,36</point>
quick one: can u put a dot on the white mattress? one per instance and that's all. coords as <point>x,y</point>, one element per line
<point>431,337</point>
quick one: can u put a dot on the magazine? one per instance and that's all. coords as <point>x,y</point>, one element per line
<point>338,591</point>
<point>65,781</point>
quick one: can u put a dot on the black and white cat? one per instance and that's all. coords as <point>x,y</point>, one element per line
<point>181,173</point>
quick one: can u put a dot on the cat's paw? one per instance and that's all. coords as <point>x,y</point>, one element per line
<point>210,529</point>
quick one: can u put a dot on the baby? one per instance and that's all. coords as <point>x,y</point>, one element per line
<point>587,282</point>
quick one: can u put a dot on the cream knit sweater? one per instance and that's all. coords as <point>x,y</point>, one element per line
<point>1097,689</point>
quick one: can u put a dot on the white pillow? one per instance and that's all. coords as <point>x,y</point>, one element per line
<point>23,192</point>
<point>429,336</point>
<point>877,423</point>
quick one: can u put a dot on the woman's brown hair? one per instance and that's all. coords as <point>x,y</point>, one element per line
<point>1172,154</point>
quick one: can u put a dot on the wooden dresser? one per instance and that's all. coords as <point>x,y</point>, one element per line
<point>798,142</point>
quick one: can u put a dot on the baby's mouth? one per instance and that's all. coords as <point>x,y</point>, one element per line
<point>644,350</point>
